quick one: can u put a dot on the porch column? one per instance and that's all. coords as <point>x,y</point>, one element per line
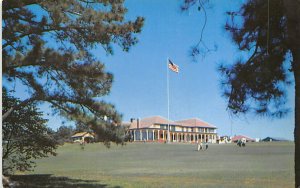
<point>200,137</point>
<point>141,136</point>
<point>153,135</point>
<point>173,138</point>
<point>163,135</point>
<point>177,137</point>
<point>157,135</point>
<point>147,134</point>
<point>133,135</point>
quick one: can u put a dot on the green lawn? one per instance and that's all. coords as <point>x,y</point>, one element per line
<point>166,165</point>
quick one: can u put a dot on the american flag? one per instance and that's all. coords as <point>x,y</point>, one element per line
<point>173,67</point>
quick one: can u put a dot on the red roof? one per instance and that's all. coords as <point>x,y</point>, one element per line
<point>195,122</point>
<point>239,137</point>
<point>148,121</point>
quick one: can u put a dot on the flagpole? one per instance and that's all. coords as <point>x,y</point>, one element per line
<point>168,98</point>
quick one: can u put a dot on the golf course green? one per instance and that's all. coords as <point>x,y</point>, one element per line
<point>165,165</point>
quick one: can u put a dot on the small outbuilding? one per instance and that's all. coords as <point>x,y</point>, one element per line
<point>242,138</point>
<point>83,137</point>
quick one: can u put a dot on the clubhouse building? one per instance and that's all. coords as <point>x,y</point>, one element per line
<point>155,129</point>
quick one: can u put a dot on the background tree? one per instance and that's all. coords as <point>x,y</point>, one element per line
<point>107,131</point>
<point>48,48</point>
<point>64,134</point>
<point>269,31</point>
<point>81,127</point>
<point>25,136</point>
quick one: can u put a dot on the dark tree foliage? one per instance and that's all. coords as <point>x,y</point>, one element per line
<point>258,83</point>
<point>25,137</point>
<point>269,31</point>
<point>81,127</point>
<point>48,45</point>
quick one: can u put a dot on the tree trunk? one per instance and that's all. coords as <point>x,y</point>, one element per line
<point>17,106</point>
<point>292,8</point>
<point>297,120</point>
<point>6,114</point>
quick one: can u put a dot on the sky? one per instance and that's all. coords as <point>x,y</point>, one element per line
<point>140,76</point>
<point>140,86</point>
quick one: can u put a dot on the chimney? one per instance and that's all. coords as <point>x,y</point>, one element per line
<point>131,120</point>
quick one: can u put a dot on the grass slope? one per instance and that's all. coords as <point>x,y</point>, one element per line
<point>166,165</point>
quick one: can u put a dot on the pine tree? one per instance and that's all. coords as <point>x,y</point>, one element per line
<point>48,47</point>
<point>268,30</point>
